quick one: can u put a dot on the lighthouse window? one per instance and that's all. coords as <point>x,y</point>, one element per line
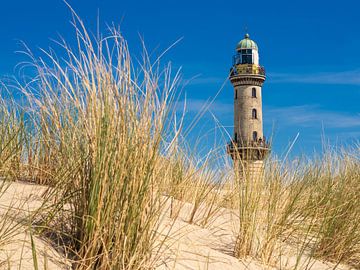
<point>246,51</point>
<point>254,114</point>
<point>255,135</point>
<point>235,137</point>
<point>254,92</point>
<point>246,57</point>
<point>235,93</point>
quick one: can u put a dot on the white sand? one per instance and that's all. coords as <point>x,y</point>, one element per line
<point>16,253</point>
<point>188,246</point>
<point>195,247</point>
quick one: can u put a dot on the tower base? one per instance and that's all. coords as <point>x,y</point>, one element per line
<point>249,170</point>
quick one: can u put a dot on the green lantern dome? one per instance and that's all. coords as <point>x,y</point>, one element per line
<point>247,43</point>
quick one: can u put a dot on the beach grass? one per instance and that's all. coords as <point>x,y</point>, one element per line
<point>99,131</point>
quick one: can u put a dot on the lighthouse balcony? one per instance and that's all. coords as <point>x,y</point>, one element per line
<point>247,69</point>
<point>253,150</point>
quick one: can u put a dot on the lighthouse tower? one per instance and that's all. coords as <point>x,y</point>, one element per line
<point>248,147</point>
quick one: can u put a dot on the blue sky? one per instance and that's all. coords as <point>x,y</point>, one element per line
<point>310,49</point>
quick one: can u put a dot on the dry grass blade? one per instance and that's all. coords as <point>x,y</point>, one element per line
<point>101,131</point>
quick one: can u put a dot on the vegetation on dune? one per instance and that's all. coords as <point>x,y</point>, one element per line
<point>101,129</point>
<point>12,135</point>
<point>309,206</point>
<point>103,138</point>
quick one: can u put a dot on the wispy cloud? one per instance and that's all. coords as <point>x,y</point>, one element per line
<point>197,105</point>
<point>351,77</point>
<point>311,116</point>
<point>199,80</point>
<point>307,116</point>
<point>351,135</point>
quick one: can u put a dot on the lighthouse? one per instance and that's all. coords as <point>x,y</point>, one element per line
<point>248,147</point>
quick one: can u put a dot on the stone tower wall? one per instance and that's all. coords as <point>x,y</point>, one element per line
<point>252,170</point>
<point>244,124</point>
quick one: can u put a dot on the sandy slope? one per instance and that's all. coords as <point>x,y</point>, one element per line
<point>17,200</point>
<point>188,246</point>
<point>211,247</point>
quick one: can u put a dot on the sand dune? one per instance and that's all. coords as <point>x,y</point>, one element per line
<point>187,246</point>
<point>190,246</point>
<point>18,200</point>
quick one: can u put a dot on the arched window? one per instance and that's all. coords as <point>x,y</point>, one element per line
<point>254,114</point>
<point>235,93</point>
<point>254,92</point>
<point>235,137</point>
<point>255,136</point>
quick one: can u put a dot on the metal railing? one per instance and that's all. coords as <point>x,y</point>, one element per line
<point>253,150</point>
<point>251,144</point>
<point>247,69</point>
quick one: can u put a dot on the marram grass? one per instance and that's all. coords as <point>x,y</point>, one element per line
<point>101,129</point>
<point>100,134</point>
